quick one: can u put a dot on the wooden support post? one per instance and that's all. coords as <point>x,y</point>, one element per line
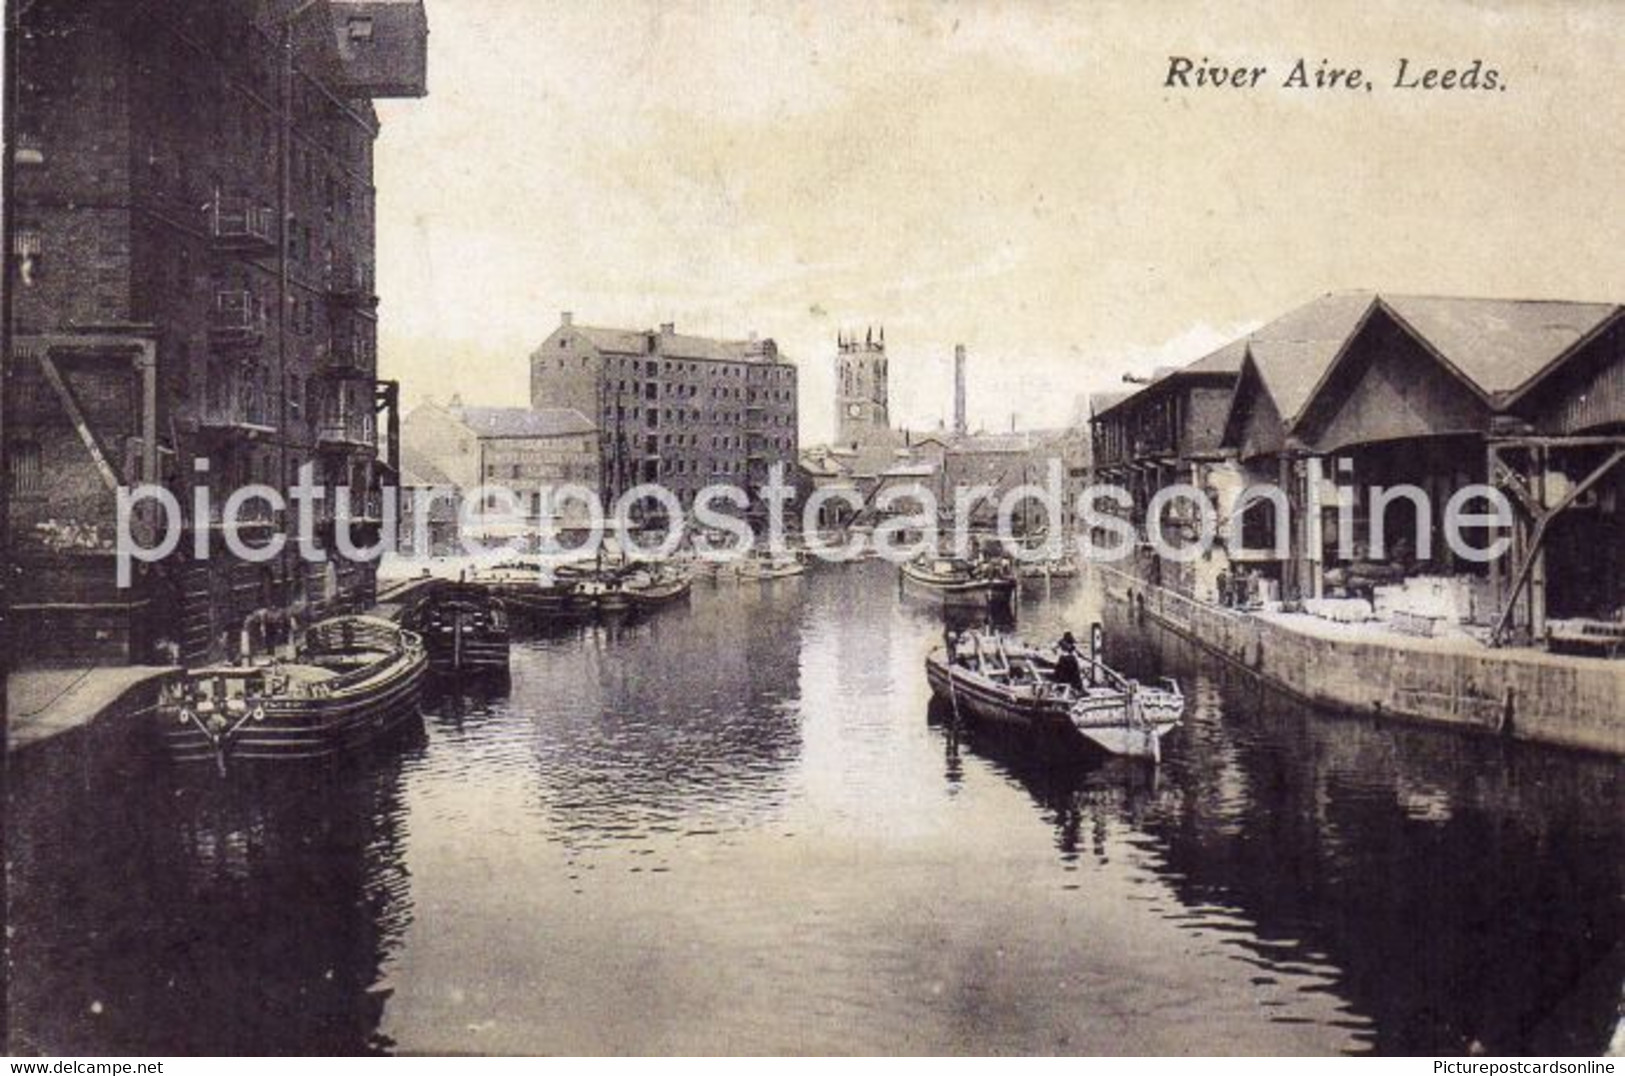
<point>1537,553</point>
<point>1497,572</point>
<point>1527,566</point>
<point>1314,550</point>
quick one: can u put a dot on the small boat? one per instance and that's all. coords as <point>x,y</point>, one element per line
<point>661,585</point>
<point>765,566</point>
<point>465,630</point>
<point>1000,681</point>
<point>354,681</point>
<point>603,592</point>
<point>960,581</point>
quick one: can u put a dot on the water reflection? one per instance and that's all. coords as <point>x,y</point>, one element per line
<point>150,914</point>
<point>727,827</point>
<point>668,723</point>
<point>1457,893</point>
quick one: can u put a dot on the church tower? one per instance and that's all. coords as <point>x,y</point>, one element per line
<point>860,390</point>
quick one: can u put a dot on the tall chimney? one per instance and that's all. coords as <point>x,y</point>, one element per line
<point>959,389</point>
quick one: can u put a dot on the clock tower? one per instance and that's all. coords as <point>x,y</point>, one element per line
<point>860,390</point>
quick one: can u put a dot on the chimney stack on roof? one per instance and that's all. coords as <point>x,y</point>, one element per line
<point>667,328</point>
<point>566,318</point>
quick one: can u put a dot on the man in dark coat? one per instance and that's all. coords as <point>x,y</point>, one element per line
<point>1067,669</point>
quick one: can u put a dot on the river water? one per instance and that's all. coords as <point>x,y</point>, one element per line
<point>735,826</point>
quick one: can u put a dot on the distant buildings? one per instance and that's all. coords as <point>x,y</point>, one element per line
<point>870,457</point>
<point>191,299</point>
<point>681,411</point>
<point>429,520</point>
<point>520,449</point>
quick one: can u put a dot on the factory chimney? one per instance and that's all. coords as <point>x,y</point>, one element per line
<point>959,389</point>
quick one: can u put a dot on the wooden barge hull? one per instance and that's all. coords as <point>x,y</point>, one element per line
<point>306,729</point>
<point>482,654</point>
<point>989,706</point>
<point>976,592</point>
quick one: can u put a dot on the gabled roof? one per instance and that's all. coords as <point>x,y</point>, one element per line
<point>1226,360</point>
<point>1293,353</point>
<point>1499,345</point>
<point>1496,347</point>
<point>523,421</point>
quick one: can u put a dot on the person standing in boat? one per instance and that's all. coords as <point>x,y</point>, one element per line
<point>1067,668</point>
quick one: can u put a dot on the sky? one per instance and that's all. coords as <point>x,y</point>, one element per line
<point>1013,176</point>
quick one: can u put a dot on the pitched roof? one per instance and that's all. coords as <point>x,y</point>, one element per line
<point>418,470</point>
<point>1498,344</point>
<point>673,345</point>
<point>1293,352</point>
<point>1226,360</point>
<point>523,421</point>
<point>1101,402</point>
<point>701,347</point>
<point>616,341</point>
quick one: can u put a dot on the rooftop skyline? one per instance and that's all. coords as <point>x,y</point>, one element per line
<point>1016,177</point>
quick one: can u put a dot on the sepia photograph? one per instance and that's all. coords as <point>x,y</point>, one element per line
<point>783,528</point>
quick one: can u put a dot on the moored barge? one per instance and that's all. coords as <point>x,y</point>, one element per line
<point>355,681</point>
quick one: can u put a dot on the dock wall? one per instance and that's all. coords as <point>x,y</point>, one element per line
<point>1525,694</point>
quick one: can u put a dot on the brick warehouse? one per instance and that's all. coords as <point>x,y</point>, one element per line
<point>192,245</point>
<point>681,411</point>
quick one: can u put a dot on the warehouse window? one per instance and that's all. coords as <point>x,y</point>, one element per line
<point>27,476</point>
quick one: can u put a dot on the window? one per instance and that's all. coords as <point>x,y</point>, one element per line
<point>360,29</point>
<point>27,475</point>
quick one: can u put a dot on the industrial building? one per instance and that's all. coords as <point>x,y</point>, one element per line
<point>680,411</point>
<point>191,300</point>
